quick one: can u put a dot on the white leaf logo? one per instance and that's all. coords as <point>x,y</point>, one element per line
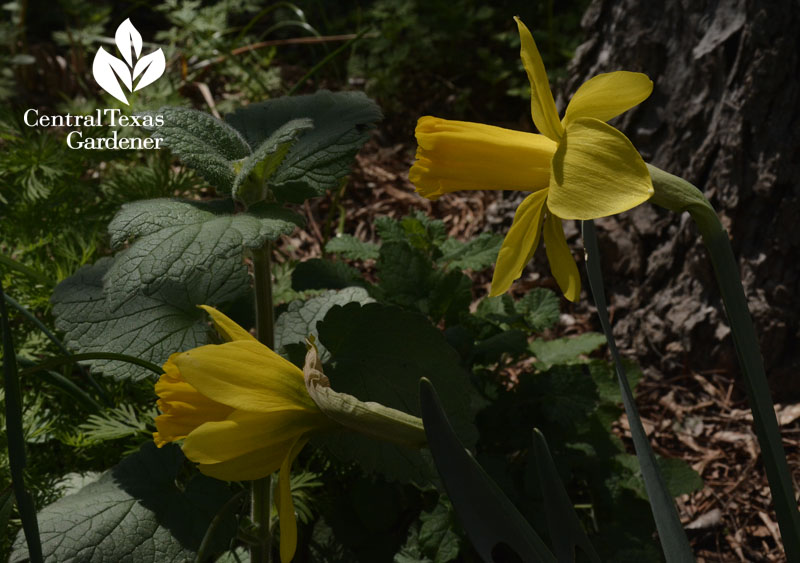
<point>126,37</point>
<point>109,70</point>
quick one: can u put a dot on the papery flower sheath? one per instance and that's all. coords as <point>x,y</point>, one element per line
<point>578,167</point>
<point>244,412</point>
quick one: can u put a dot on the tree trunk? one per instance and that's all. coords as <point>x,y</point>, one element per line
<point>725,115</point>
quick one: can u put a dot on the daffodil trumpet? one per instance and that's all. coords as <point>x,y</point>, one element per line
<point>244,412</point>
<point>577,167</point>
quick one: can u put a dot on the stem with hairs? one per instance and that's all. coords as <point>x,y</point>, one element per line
<point>261,489</point>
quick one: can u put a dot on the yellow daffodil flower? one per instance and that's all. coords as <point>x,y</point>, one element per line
<point>243,412</point>
<point>579,167</point>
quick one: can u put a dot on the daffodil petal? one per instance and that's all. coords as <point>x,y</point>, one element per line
<point>520,242</point>
<point>247,467</point>
<point>459,155</point>
<point>226,328</point>
<point>182,406</point>
<point>543,107</point>
<point>596,172</point>
<point>181,415</point>
<point>607,95</point>
<point>288,541</point>
<point>244,432</point>
<point>562,264</point>
<point>245,375</point>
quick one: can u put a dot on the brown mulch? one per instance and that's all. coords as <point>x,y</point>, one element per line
<point>379,187</point>
<point>701,418</point>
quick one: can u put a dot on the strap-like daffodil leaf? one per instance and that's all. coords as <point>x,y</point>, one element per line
<point>493,524</point>
<point>670,532</point>
<point>565,528</point>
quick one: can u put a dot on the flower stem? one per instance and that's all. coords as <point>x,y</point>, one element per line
<point>262,271</point>
<point>261,489</point>
<point>678,195</point>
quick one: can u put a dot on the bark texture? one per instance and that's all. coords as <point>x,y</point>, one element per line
<point>725,115</point>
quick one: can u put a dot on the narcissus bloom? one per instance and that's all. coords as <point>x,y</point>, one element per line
<point>579,167</point>
<point>243,412</point>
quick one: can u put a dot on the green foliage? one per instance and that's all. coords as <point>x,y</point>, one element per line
<point>305,487</point>
<point>202,142</point>
<point>572,399</point>
<point>187,245</point>
<point>6,503</point>
<point>679,477</point>
<point>378,353</point>
<point>325,547</point>
<point>540,309</point>
<point>120,422</point>
<point>200,31</point>
<point>322,274</point>
<point>149,327</point>
<point>289,148</point>
<point>300,320</point>
<point>415,65</point>
<point>352,248</point>
<point>181,254</point>
<point>566,350</point>
<point>436,536</point>
<point>537,311</point>
<point>322,156</point>
<point>168,522</point>
<point>433,539</point>
<point>476,254</point>
<point>36,163</point>
<point>575,406</point>
<point>418,267</point>
<point>378,333</point>
<point>255,172</point>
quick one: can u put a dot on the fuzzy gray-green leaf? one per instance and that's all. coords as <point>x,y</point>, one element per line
<point>187,243</point>
<point>251,184</point>
<point>207,144</point>
<point>135,512</point>
<point>149,327</point>
<point>321,157</point>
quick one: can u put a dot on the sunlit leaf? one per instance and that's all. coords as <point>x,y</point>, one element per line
<point>134,512</point>
<point>150,328</point>
<point>322,156</point>
<point>195,245</point>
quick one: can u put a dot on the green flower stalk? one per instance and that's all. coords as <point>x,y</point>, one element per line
<point>676,194</point>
